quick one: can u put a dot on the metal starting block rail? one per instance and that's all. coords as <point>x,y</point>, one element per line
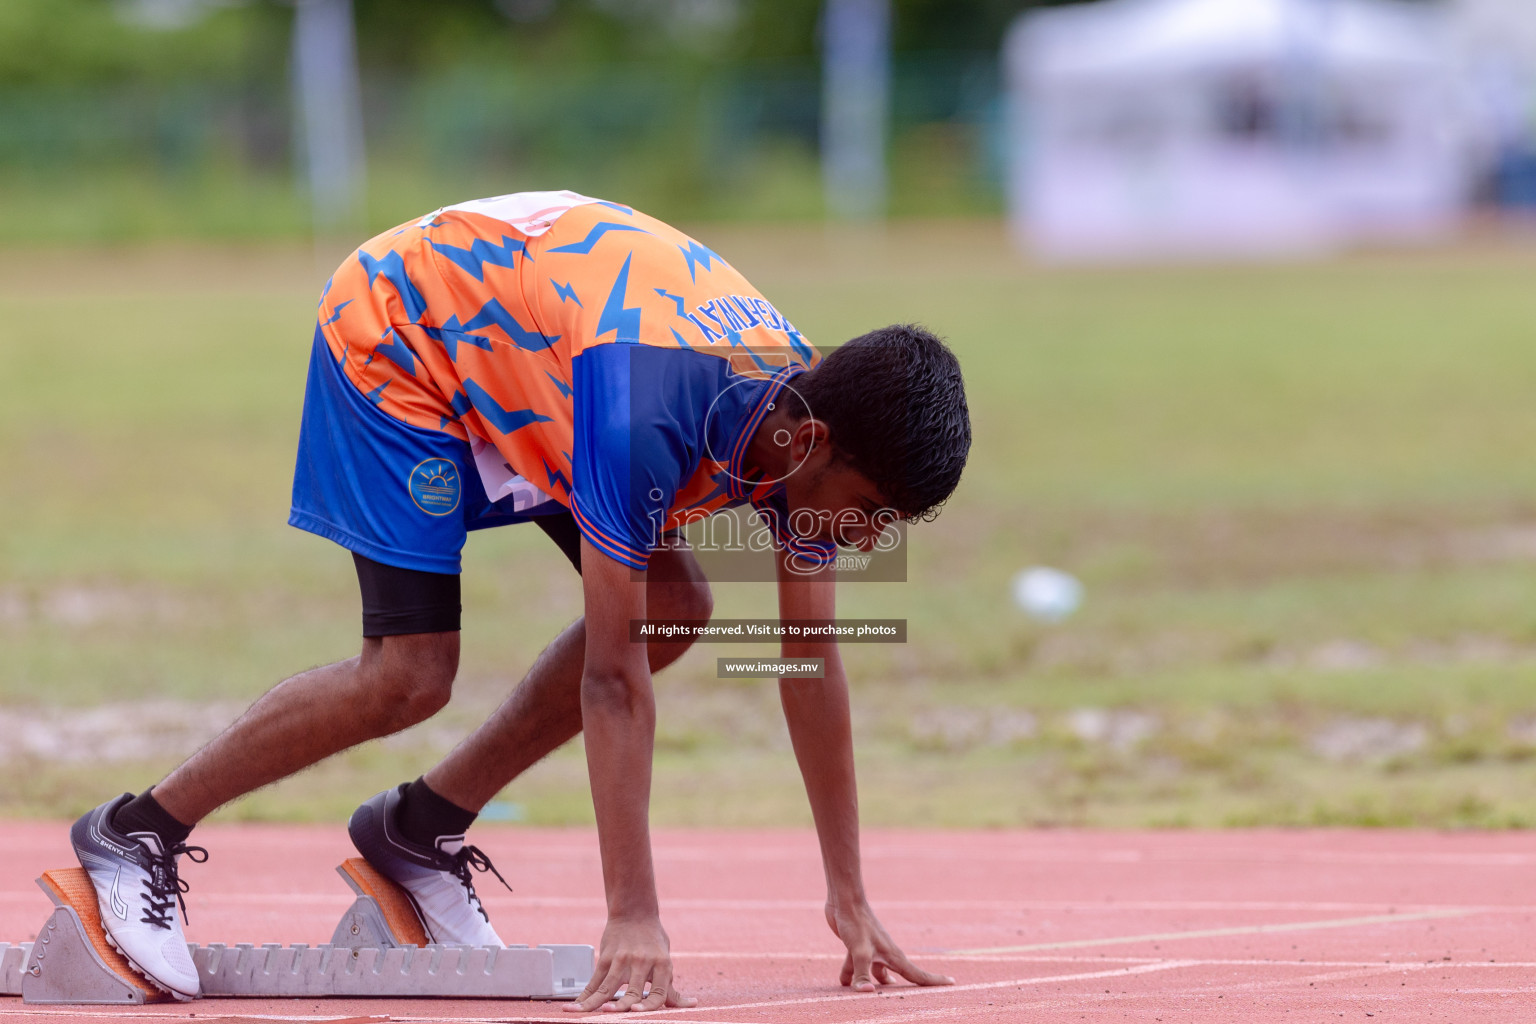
<point>379,949</point>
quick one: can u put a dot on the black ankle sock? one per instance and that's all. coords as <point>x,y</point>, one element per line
<point>144,814</point>
<point>423,816</point>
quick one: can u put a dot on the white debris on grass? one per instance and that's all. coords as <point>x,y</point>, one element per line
<point>1368,739</point>
<point>1523,731</point>
<point>1510,543</point>
<point>1345,656</point>
<point>138,731</point>
<point>1122,729</point>
<point>76,606</point>
<point>13,607</point>
<point>156,730</point>
<point>1047,594</point>
<point>959,728</point>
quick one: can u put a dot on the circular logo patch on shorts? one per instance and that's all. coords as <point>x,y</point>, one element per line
<point>435,486</point>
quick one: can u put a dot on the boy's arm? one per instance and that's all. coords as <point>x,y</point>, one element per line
<point>618,714</point>
<point>820,729</point>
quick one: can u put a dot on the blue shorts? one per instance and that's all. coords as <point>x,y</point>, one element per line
<point>391,492</point>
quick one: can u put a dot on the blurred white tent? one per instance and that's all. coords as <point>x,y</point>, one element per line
<point>1191,128</point>
<point>1496,40</point>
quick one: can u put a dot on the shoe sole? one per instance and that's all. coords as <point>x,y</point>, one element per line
<point>180,997</point>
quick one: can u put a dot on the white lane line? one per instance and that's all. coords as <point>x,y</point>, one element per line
<point>1301,982</point>
<point>687,903</point>
<point>1127,855</point>
<point>912,990</point>
<point>1296,981</point>
<point>1076,1001</point>
<point>214,899</point>
<point>1023,958</point>
<point>1522,990</point>
<point>577,854</point>
<point>1208,933</point>
<point>1312,979</point>
<point>1207,855</point>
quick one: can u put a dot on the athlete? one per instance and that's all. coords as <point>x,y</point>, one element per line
<point>552,358</point>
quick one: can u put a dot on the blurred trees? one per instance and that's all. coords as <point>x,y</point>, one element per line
<point>133,117</point>
<point>81,42</point>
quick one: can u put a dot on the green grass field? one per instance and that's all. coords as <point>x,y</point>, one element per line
<point>1302,499</point>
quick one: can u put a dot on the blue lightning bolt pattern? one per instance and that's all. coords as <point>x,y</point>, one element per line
<point>377,394</point>
<point>734,338</point>
<point>565,389</point>
<point>335,313</point>
<point>504,420</point>
<point>624,321</point>
<point>492,314</point>
<point>452,333</point>
<point>565,291</point>
<point>599,229</point>
<point>398,352</point>
<point>616,206</point>
<point>801,346</point>
<point>556,475</point>
<point>695,254</point>
<point>392,269</point>
<point>678,299</point>
<point>481,252</point>
<point>680,339</point>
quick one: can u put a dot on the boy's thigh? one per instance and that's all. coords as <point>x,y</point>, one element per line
<point>392,493</point>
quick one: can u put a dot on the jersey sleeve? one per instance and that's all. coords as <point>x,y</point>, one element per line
<point>639,419</point>
<point>773,508</point>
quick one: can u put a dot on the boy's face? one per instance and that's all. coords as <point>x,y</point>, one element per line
<point>828,499</point>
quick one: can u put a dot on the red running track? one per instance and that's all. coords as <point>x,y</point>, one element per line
<point>1036,926</point>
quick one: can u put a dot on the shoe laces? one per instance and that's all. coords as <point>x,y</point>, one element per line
<point>467,857</point>
<point>166,886</point>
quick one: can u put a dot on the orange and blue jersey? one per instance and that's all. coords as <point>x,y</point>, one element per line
<point>531,353</point>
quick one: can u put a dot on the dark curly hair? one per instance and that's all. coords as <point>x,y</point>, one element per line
<point>894,403</point>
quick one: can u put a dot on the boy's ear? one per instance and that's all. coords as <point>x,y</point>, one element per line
<point>810,435</point>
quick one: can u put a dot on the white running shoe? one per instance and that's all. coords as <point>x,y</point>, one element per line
<point>139,892</point>
<point>437,878</point>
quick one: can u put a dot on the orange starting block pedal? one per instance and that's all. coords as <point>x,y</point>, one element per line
<point>72,950</point>
<point>379,949</point>
<point>383,915</point>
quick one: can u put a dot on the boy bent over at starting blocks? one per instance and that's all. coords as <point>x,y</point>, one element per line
<point>550,358</point>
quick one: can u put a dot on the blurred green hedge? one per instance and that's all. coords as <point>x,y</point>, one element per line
<point>172,118</point>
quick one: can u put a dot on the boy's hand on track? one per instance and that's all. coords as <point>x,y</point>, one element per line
<point>872,955</point>
<point>632,953</point>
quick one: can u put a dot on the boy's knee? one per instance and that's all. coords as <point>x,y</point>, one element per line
<point>691,599</point>
<point>409,678</point>
<point>697,601</point>
<point>679,588</point>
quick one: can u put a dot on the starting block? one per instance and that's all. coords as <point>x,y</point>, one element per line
<point>379,949</point>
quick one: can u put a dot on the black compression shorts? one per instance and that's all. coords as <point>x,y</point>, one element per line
<point>400,601</point>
